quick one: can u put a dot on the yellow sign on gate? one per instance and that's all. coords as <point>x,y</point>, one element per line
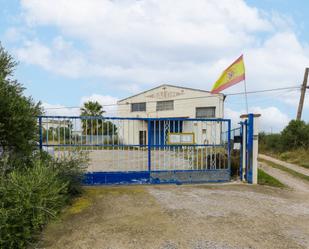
<point>183,138</point>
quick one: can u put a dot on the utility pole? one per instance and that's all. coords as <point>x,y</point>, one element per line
<point>302,95</point>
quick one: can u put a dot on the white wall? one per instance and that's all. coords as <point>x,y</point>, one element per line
<point>185,103</point>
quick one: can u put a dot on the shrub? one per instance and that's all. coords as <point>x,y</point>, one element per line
<point>28,199</point>
<point>18,121</point>
<point>71,169</point>
<point>271,142</point>
<point>295,135</point>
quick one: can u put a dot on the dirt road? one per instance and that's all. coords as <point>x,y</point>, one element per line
<point>292,166</point>
<point>182,217</point>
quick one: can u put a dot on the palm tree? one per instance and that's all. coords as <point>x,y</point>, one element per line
<point>92,108</point>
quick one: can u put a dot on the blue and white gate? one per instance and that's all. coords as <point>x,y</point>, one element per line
<point>142,150</point>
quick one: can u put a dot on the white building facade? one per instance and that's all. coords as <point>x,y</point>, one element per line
<point>168,101</point>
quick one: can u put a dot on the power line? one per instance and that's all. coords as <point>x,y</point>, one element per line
<point>212,96</point>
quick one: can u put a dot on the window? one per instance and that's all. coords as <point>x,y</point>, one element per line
<point>206,112</point>
<point>138,107</point>
<point>142,137</point>
<point>165,105</point>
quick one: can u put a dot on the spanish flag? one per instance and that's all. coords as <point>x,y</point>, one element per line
<point>230,76</point>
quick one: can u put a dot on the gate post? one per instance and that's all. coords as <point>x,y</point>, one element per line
<point>255,148</point>
<point>250,147</point>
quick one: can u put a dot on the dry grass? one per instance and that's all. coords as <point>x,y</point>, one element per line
<point>299,157</point>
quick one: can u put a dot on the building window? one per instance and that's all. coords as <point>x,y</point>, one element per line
<point>206,112</point>
<point>138,107</point>
<point>165,105</point>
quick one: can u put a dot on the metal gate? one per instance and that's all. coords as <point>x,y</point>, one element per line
<point>142,150</point>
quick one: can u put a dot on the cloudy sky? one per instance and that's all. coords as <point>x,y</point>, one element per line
<point>70,51</point>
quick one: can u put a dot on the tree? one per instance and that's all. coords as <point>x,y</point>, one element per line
<point>295,135</point>
<point>18,114</point>
<point>96,126</point>
<point>92,108</point>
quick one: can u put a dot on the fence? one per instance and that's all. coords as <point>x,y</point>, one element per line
<point>142,150</point>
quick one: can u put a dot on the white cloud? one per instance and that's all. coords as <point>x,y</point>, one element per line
<point>61,57</point>
<point>59,110</point>
<point>108,103</point>
<point>139,44</point>
<point>271,120</point>
<point>176,41</point>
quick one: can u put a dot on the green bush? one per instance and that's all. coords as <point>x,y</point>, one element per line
<point>18,115</point>
<point>71,170</point>
<point>28,199</point>
<point>294,136</point>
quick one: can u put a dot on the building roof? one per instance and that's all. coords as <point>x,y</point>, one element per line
<point>163,85</point>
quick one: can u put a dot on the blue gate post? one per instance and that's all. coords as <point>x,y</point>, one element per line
<point>40,133</point>
<point>229,145</point>
<point>250,148</point>
<point>241,150</point>
<point>149,146</point>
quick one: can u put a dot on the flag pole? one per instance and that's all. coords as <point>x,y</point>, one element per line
<point>246,96</point>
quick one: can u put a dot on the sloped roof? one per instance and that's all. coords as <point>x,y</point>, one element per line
<point>164,85</point>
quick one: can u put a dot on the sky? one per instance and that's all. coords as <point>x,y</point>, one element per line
<point>71,51</point>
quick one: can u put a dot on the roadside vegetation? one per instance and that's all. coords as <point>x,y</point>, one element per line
<point>34,187</point>
<point>265,179</point>
<point>291,145</point>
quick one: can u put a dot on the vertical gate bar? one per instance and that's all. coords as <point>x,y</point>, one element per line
<point>144,144</point>
<point>40,133</point>
<point>91,132</point>
<point>102,132</point>
<point>123,142</point>
<point>64,133</point>
<point>149,146</point>
<point>53,131</point>
<point>178,148</point>
<point>59,124</point>
<point>86,131</point>
<point>133,142</point>
<point>138,142</point>
<point>113,143</point>
<point>129,142</point>
<point>81,137</point>
<point>117,130</point>
<point>97,121</point>
<point>47,132</point>
<point>202,148</point>
<point>75,129</point>
<point>240,151</point>
<point>229,145</point>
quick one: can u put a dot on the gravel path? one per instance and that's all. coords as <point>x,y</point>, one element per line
<point>292,182</point>
<point>221,216</point>
<point>294,167</point>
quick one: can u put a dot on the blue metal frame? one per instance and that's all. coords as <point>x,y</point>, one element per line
<point>241,150</point>
<point>139,177</point>
<point>130,118</point>
<point>40,133</point>
<point>250,148</point>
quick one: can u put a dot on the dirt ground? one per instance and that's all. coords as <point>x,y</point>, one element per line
<point>292,166</point>
<point>224,216</point>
